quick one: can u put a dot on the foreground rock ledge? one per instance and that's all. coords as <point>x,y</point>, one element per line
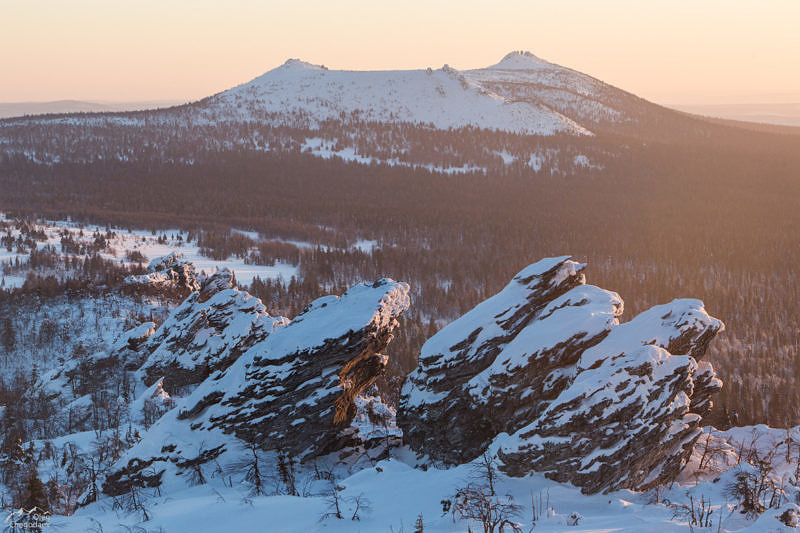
<point>544,373</point>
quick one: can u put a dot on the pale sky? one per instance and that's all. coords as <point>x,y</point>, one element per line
<point>700,51</point>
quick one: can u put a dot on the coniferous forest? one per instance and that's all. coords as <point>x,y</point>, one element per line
<point>700,209</point>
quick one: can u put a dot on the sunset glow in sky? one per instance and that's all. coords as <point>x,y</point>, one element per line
<point>709,51</point>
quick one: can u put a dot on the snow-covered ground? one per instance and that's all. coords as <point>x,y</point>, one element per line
<point>391,495</point>
<point>147,243</point>
<point>66,326</point>
<point>325,149</point>
<point>394,494</point>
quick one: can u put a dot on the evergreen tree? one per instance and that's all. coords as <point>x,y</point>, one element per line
<point>8,336</point>
<point>36,495</point>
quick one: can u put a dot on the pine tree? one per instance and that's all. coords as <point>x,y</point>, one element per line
<point>8,336</point>
<point>36,495</point>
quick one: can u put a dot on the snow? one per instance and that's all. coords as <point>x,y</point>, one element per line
<point>525,76</point>
<point>235,315</point>
<point>535,162</point>
<point>190,252</point>
<point>146,243</point>
<point>495,309</point>
<point>365,245</point>
<point>444,98</point>
<point>506,157</point>
<point>397,491</point>
<point>521,60</point>
<point>564,319</point>
<point>349,312</point>
<point>324,148</point>
<point>397,494</point>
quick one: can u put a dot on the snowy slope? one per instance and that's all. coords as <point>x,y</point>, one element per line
<point>521,93</point>
<point>395,494</point>
<point>149,245</point>
<point>444,98</point>
<point>521,76</point>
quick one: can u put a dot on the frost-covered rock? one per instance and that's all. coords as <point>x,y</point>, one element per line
<point>302,391</point>
<point>169,272</point>
<point>544,373</point>
<point>207,332</point>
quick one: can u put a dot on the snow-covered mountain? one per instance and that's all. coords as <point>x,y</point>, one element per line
<point>442,120</point>
<point>522,93</point>
<point>444,98</point>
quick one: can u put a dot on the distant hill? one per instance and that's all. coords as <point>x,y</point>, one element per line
<point>777,114</point>
<point>19,109</point>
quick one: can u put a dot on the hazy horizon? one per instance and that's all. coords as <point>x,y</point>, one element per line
<point>782,114</point>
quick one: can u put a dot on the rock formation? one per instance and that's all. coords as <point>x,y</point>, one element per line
<point>169,272</point>
<point>302,390</point>
<point>296,390</point>
<point>207,332</point>
<point>544,373</point>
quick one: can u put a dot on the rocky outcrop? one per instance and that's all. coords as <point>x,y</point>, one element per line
<point>206,333</point>
<point>544,374</point>
<point>302,391</point>
<point>170,272</point>
<point>297,389</point>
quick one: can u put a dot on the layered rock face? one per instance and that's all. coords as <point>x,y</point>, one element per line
<point>301,390</point>
<point>207,332</point>
<point>544,373</point>
<point>297,389</point>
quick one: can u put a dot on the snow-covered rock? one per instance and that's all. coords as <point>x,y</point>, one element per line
<point>302,391</point>
<point>168,272</point>
<point>544,374</point>
<point>207,332</point>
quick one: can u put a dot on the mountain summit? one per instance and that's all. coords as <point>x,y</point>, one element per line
<point>521,60</point>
